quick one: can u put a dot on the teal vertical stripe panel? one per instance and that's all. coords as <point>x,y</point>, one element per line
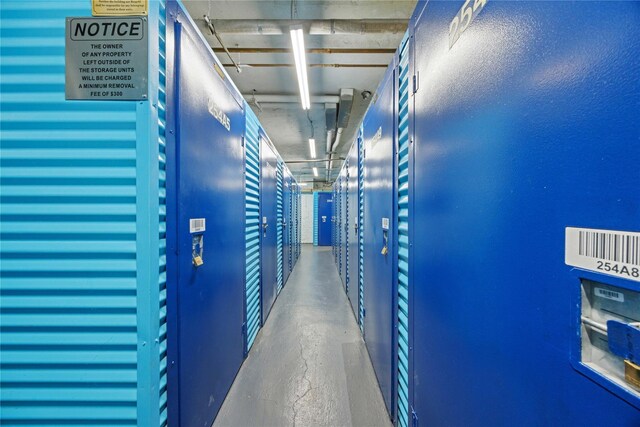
<point>252,226</point>
<point>68,310</point>
<point>361,230</point>
<point>279,219</point>
<point>315,218</point>
<point>403,234</point>
<point>347,278</point>
<point>162,230</point>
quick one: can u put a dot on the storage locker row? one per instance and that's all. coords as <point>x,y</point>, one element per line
<point>493,191</point>
<point>143,242</point>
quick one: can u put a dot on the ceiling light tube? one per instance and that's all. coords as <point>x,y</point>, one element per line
<point>315,172</point>
<point>297,41</point>
<point>312,148</point>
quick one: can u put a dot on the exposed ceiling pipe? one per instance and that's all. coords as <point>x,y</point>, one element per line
<point>213,31</point>
<point>313,50</point>
<point>314,27</point>
<point>285,99</point>
<point>277,65</point>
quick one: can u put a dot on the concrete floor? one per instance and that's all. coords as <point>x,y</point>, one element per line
<point>309,365</point>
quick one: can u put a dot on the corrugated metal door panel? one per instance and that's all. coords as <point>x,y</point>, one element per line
<point>69,213</point>
<point>162,230</point>
<point>315,219</point>
<point>252,226</point>
<point>403,234</point>
<point>361,230</point>
<point>279,219</point>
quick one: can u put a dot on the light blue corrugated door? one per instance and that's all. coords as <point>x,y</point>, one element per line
<point>361,230</point>
<point>252,226</point>
<point>279,219</point>
<point>315,219</point>
<point>82,273</point>
<point>403,234</point>
<point>162,120</point>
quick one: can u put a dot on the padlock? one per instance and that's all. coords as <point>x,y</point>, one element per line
<point>384,251</point>
<point>197,261</point>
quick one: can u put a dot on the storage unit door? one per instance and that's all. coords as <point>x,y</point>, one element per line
<point>268,216</point>
<point>210,194</point>
<point>325,205</point>
<point>379,137</point>
<point>352,227</point>
<point>536,132</point>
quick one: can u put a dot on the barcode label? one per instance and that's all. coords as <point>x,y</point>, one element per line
<point>616,253</point>
<point>606,293</point>
<point>197,225</point>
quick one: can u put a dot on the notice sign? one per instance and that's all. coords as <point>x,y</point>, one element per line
<point>106,58</point>
<point>119,7</point>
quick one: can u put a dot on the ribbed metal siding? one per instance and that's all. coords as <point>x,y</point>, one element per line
<point>361,230</point>
<point>315,219</point>
<point>68,230</point>
<point>346,226</point>
<point>252,230</point>
<point>162,122</point>
<point>279,216</point>
<point>403,235</point>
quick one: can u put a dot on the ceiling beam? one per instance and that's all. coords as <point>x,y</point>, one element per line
<point>324,51</point>
<point>310,65</point>
<point>312,27</point>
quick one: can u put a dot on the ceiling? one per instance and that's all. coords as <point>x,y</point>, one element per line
<point>349,44</point>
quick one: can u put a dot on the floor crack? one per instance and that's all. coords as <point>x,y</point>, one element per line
<point>304,378</point>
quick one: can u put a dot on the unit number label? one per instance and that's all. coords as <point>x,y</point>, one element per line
<point>616,253</point>
<point>467,13</point>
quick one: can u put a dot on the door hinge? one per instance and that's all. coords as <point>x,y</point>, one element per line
<point>242,141</point>
<point>414,418</point>
<point>416,82</point>
<point>244,329</point>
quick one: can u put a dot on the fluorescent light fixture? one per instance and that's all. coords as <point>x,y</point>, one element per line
<point>302,184</point>
<point>297,40</point>
<point>312,148</point>
<point>315,172</point>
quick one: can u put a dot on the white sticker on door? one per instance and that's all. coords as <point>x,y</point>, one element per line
<point>616,253</point>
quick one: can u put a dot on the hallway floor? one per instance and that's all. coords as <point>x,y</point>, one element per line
<point>309,365</point>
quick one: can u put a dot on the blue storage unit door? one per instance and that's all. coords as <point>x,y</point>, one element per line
<point>360,230</point>
<point>206,192</point>
<point>322,219</point>
<point>352,228</point>
<point>253,316</point>
<point>82,276</point>
<point>404,181</point>
<point>535,132</point>
<point>279,219</point>
<point>379,269</point>
<point>268,215</point>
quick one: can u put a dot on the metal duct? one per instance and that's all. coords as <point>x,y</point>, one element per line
<point>290,99</point>
<point>344,109</point>
<point>312,27</point>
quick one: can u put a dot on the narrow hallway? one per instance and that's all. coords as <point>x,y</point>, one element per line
<point>309,365</point>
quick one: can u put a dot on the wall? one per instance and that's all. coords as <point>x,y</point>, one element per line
<point>307,218</point>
